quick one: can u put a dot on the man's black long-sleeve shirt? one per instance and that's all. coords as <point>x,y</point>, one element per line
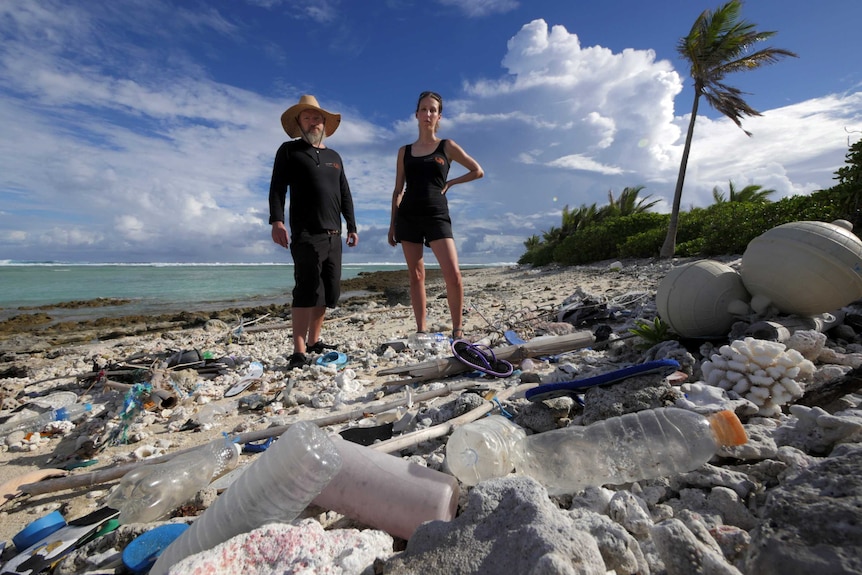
<point>319,193</point>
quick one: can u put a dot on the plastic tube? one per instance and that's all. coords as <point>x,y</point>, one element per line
<point>387,492</point>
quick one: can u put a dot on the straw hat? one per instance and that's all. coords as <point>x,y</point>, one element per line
<point>290,118</point>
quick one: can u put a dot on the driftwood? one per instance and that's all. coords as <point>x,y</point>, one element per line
<point>546,345</point>
<point>106,475</point>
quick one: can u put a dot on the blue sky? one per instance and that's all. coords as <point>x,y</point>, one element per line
<point>144,130</point>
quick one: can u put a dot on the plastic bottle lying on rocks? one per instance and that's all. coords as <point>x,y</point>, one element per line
<point>150,492</point>
<point>388,492</point>
<point>635,446</point>
<point>482,449</point>
<point>642,445</point>
<point>38,422</point>
<point>276,487</point>
<point>425,341</point>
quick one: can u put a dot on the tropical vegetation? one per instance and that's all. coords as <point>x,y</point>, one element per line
<point>626,228</point>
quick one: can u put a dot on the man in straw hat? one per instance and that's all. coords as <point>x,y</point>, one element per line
<point>319,196</point>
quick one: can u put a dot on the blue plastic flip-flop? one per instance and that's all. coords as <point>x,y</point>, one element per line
<point>335,358</point>
<point>664,367</point>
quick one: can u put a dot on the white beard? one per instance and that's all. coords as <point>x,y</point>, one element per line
<point>314,140</point>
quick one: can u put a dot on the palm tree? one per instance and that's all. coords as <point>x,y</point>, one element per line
<point>532,242</point>
<point>628,203</point>
<point>750,194</point>
<point>574,220</point>
<point>717,45</point>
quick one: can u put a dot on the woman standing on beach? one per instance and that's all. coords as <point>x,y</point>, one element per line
<point>420,212</point>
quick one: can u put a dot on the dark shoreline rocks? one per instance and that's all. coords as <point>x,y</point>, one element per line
<point>40,329</point>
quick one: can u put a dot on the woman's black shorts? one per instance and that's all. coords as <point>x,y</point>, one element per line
<point>422,229</point>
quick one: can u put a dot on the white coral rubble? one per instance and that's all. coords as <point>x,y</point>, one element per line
<point>764,372</point>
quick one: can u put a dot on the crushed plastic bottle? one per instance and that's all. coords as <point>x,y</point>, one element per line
<point>642,445</point>
<point>38,422</point>
<point>482,449</point>
<point>150,492</point>
<point>276,487</point>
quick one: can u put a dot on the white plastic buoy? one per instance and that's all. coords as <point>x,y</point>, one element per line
<point>805,268</point>
<point>695,298</point>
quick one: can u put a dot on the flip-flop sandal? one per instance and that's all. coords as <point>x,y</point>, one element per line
<point>335,358</point>
<point>481,357</point>
<point>664,367</point>
<point>42,554</point>
<point>255,372</point>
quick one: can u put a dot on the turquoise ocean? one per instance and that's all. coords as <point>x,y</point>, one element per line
<point>150,288</point>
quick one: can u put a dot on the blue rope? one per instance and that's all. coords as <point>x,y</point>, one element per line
<point>503,411</point>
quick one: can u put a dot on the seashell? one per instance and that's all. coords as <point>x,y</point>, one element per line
<point>145,451</point>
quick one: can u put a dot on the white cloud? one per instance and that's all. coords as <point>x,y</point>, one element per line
<point>479,8</point>
<point>580,162</point>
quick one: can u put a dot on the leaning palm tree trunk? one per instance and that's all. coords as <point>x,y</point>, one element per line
<point>669,246</point>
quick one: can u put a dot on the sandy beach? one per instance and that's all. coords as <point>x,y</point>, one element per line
<point>40,360</point>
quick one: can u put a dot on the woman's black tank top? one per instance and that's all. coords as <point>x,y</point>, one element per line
<point>425,177</point>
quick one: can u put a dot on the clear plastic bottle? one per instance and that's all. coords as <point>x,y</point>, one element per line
<point>643,445</point>
<point>388,492</point>
<point>150,492</point>
<point>38,422</point>
<point>483,449</point>
<point>426,341</point>
<point>276,487</point>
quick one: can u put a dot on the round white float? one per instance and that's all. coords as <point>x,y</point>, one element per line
<point>694,298</point>
<point>805,268</point>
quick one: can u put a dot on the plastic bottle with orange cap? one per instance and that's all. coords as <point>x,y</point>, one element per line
<point>635,446</point>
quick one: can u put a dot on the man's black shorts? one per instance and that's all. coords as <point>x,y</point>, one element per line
<point>422,229</point>
<point>316,269</point>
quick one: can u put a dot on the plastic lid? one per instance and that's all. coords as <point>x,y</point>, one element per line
<point>38,530</point>
<point>727,428</point>
<point>141,554</point>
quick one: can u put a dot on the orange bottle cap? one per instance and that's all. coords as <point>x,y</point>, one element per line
<point>727,428</point>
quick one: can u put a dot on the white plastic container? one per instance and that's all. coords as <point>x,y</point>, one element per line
<point>150,492</point>
<point>482,449</point>
<point>276,487</point>
<point>643,445</point>
<point>387,492</point>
